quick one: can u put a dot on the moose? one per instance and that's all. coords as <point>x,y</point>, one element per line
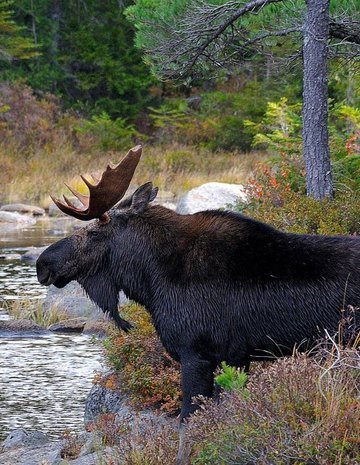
<point>218,285</point>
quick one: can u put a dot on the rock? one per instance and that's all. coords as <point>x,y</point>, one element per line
<point>93,443</point>
<point>98,328</point>
<point>10,256</point>
<point>23,208</point>
<point>55,211</point>
<point>210,196</point>
<point>49,454</point>
<point>16,219</point>
<point>100,457</point>
<point>75,325</point>
<point>22,327</point>
<point>32,254</point>
<point>102,400</point>
<point>72,300</point>
<point>21,437</point>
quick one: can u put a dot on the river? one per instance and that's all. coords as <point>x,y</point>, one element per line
<point>43,380</point>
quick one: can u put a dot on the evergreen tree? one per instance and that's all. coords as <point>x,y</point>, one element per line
<point>13,43</point>
<point>87,56</point>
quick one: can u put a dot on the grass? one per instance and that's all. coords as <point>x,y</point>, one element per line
<point>176,168</point>
<point>33,310</point>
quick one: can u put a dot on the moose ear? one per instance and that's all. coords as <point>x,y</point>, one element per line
<point>142,196</point>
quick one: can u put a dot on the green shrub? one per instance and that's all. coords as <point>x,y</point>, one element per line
<point>108,134</point>
<point>231,378</point>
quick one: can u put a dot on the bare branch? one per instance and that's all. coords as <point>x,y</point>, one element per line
<point>251,7</point>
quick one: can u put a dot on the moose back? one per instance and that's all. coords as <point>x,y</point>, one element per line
<point>219,286</point>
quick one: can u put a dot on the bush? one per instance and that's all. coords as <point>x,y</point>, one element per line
<point>298,411</point>
<point>277,196</point>
<point>29,121</point>
<point>146,372</point>
<point>108,134</point>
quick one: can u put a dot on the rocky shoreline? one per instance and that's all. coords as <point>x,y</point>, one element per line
<point>25,447</point>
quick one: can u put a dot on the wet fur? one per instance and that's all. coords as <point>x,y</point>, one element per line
<point>218,285</point>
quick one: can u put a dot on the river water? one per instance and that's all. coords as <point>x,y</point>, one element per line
<point>43,380</point>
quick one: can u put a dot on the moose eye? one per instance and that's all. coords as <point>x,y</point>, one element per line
<point>93,233</point>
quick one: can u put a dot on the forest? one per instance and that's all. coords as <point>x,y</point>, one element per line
<point>261,93</point>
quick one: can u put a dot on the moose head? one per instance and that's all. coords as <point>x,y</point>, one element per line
<point>87,255</point>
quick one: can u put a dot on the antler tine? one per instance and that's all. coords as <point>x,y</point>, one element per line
<point>107,191</point>
<point>84,199</point>
<point>88,183</point>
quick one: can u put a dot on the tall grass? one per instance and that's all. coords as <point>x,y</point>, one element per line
<point>174,168</point>
<point>30,309</point>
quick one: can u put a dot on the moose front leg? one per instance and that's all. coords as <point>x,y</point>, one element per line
<point>197,379</point>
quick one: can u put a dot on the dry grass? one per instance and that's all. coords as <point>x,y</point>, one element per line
<point>33,310</point>
<point>172,168</point>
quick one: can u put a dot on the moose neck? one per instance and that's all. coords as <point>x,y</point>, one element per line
<point>148,260</point>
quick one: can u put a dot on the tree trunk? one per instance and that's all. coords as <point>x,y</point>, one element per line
<point>55,12</point>
<point>315,111</point>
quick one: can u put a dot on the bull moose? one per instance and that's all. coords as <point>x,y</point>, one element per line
<point>218,285</point>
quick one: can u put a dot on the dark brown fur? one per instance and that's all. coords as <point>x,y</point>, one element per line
<point>218,285</point>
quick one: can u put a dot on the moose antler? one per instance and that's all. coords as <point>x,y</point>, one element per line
<point>107,191</point>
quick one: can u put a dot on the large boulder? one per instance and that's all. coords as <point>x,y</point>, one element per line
<point>23,208</point>
<point>21,437</point>
<point>102,400</point>
<point>211,196</point>
<point>16,219</point>
<point>73,301</point>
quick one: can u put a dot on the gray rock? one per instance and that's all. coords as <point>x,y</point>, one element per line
<point>22,327</point>
<point>72,300</point>
<point>16,219</point>
<point>75,325</point>
<point>10,256</point>
<point>102,400</point>
<point>140,422</point>
<point>100,457</point>
<point>93,443</point>
<point>98,328</point>
<point>209,196</point>
<point>32,254</point>
<point>49,454</point>
<point>23,208</point>
<point>21,437</point>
